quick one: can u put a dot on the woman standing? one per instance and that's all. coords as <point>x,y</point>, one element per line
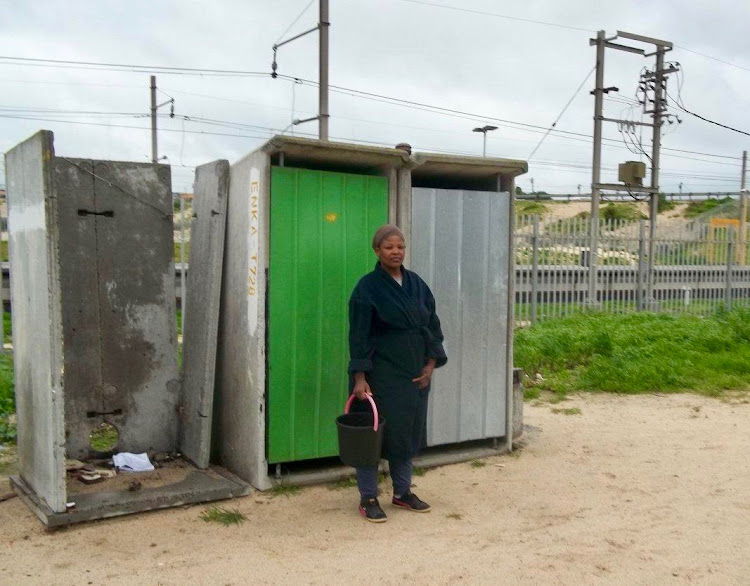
<point>395,343</point>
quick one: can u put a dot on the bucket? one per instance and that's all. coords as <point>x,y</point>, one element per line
<point>360,436</point>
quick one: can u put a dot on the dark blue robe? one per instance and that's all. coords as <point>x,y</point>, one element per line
<point>393,331</point>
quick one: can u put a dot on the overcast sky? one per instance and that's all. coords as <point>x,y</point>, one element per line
<point>487,66</point>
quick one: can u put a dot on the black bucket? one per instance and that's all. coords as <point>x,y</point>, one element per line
<point>360,439</point>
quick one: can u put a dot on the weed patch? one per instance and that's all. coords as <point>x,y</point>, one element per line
<point>222,516</point>
<point>478,464</point>
<point>637,353</point>
<point>568,411</point>
<point>286,490</point>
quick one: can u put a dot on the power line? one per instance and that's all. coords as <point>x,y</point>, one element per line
<point>338,89</point>
<point>570,101</point>
<point>684,109</point>
<point>305,9</point>
<point>713,58</point>
<point>134,67</point>
<point>497,15</point>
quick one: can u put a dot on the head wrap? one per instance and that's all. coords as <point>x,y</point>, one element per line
<point>384,232</point>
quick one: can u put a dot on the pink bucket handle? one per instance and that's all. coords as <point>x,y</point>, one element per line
<point>372,404</point>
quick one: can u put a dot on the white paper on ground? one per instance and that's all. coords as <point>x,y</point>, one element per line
<point>132,462</point>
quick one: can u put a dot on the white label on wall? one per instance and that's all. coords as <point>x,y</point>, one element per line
<point>252,251</point>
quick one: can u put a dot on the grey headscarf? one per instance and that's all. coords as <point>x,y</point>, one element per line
<point>384,232</point>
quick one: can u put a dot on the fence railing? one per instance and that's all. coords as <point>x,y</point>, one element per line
<point>694,269</point>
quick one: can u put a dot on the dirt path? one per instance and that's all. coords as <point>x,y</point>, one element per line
<point>633,490</point>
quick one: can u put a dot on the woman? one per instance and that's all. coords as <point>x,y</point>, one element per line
<point>395,343</point>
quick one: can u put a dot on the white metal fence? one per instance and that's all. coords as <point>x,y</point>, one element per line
<point>695,268</point>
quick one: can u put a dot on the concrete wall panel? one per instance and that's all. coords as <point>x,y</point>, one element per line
<point>37,318</point>
<point>201,311</point>
<point>239,418</point>
<point>118,306</point>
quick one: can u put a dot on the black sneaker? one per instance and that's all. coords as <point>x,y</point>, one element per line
<point>411,502</point>
<point>370,510</point>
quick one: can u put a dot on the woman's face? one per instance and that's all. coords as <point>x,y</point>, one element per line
<point>391,252</point>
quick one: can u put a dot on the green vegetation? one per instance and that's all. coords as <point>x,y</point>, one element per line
<point>7,400</point>
<point>530,208</point>
<point>286,490</point>
<point>478,464</point>
<point>664,204</point>
<point>417,471</point>
<point>622,212</point>
<point>637,353</point>
<point>348,482</point>
<point>177,251</point>
<point>568,411</point>
<point>104,438</point>
<point>222,516</point>
<point>696,208</point>
<point>8,329</point>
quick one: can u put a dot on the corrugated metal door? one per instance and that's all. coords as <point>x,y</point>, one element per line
<point>321,229</point>
<point>460,248</point>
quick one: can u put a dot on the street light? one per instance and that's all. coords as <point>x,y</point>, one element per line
<point>484,130</point>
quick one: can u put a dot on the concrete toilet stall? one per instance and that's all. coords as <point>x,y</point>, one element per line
<point>301,215</point>
<point>94,332</point>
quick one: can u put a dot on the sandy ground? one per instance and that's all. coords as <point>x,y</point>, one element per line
<point>633,490</point>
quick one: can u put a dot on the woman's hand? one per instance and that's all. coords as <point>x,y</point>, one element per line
<point>423,380</point>
<point>361,387</point>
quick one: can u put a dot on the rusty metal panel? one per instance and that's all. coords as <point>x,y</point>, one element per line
<point>459,246</point>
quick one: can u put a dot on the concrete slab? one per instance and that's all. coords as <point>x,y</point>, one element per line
<point>199,486</point>
<point>432,458</point>
<point>118,307</point>
<point>239,419</point>
<point>37,318</point>
<point>202,313</point>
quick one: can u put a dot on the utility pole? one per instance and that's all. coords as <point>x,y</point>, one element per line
<point>743,212</point>
<point>322,27</point>
<point>154,148</point>
<point>659,107</point>
<point>596,169</point>
<point>323,66</point>
<point>154,108</point>
<point>630,181</point>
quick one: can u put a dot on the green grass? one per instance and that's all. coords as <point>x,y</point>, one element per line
<point>417,471</point>
<point>8,328</point>
<point>104,438</point>
<point>286,490</point>
<point>637,353</point>
<point>568,411</point>
<point>626,212</point>
<point>478,464</point>
<point>7,402</point>
<point>344,483</point>
<point>696,208</point>
<point>222,516</point>
<point>530,208</point>
<point>177,252</point>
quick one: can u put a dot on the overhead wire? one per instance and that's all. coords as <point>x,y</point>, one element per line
<point>562,112</point>
<point>305,9</point>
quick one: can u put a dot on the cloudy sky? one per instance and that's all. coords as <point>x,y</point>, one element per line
<point>512,64</point>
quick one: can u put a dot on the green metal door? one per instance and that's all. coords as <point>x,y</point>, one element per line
<point>321,229</point>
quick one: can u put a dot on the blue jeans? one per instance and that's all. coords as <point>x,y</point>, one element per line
<point>367,479</point>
